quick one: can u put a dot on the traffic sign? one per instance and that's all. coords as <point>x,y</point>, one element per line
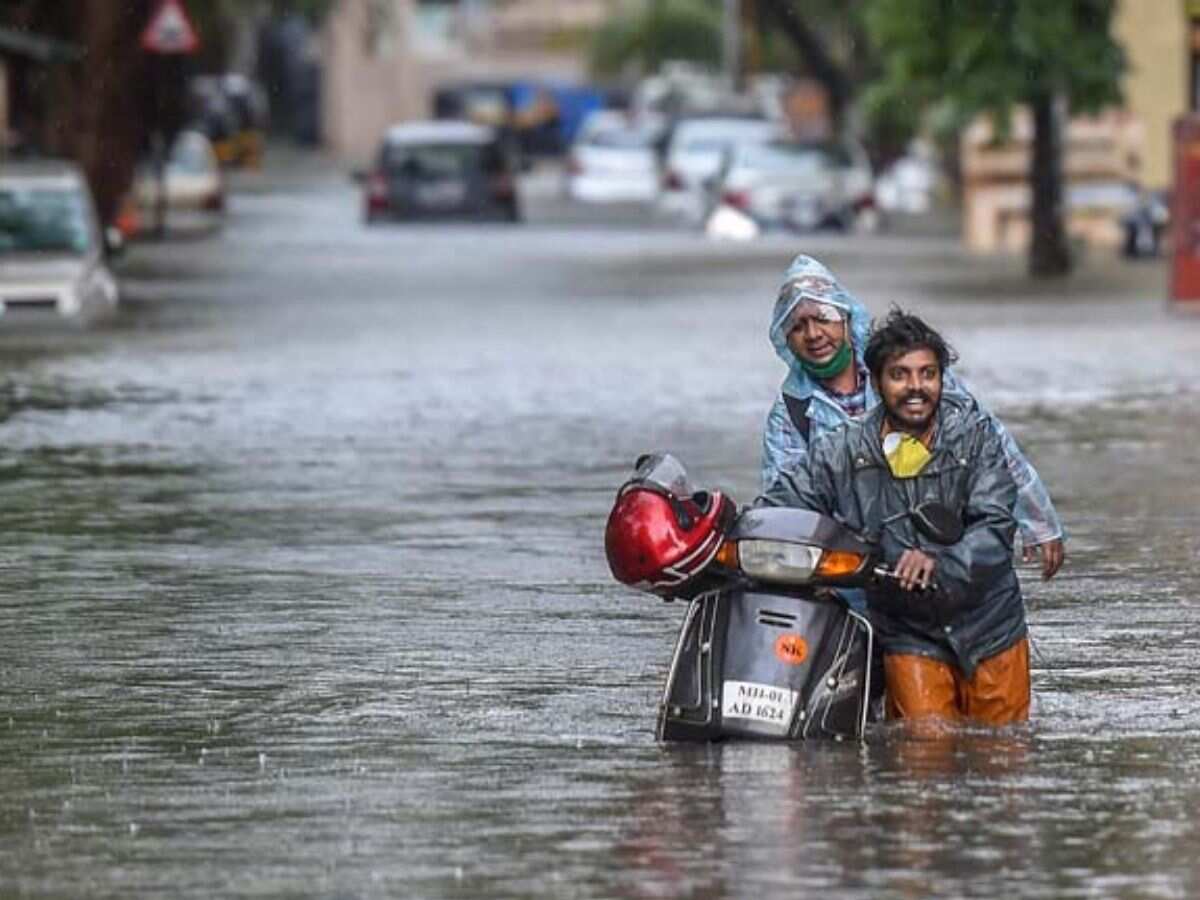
<point>170,31</point>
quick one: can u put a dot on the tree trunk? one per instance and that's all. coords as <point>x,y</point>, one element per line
<point>820,61</point>
<point>1049,252</point>
<point>108,126</point>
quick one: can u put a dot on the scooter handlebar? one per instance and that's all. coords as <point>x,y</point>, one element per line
<point>882,571</point>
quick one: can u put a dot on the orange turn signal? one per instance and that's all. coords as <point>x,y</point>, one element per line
<point>727,555</point>
<point>838,562</point>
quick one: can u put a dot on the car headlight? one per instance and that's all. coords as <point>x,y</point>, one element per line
<point>787,562</point>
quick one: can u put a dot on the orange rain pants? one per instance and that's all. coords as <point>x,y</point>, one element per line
<point>923,687</point>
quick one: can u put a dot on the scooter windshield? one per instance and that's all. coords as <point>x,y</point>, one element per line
<point>665,471</point>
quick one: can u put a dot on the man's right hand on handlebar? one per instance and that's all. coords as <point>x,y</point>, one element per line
<point>914,570</point>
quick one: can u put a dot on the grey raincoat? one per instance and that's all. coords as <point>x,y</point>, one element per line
<point>785,447</point>
<point>978,611</point>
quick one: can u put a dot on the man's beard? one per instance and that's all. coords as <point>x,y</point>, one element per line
<point>901,422</point>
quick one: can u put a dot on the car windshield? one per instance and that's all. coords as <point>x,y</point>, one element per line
<point>43,220</point>
<point>792,158</point>
<point>716,139</point>
<point>440,160</point>
<point>622,138</point>
<point>190,155</point>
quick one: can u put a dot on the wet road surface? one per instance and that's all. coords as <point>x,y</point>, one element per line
<point>303,591</point>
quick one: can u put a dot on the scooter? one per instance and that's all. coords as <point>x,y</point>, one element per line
<point>769,648</point>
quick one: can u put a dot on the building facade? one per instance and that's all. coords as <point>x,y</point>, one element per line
<point>382,59</point>
<point>1105,157</point>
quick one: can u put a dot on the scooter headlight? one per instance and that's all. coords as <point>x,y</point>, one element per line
<point>786,562</point>
<point>778,560</point>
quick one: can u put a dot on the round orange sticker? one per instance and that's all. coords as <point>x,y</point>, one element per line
<point>791,648</point>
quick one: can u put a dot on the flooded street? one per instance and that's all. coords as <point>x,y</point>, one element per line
<point>303,589</point>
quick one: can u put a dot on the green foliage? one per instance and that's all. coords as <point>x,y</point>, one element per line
<point>644,37</point>
<point>987,56</point>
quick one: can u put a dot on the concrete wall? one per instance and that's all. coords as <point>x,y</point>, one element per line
<point>1100,157</point>
<point>377,71</point>
<point>366,79</point>
<point>1154,34</point>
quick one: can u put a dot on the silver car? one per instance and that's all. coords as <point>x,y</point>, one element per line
<point>613,159</point>
<point>797,186</point>
<point>695,148</point>
<point>52,249</point>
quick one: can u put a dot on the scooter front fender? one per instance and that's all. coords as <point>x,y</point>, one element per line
<point>756,664</point>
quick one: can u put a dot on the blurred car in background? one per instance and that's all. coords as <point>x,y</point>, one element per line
<point>52,250</point>
<point>695,147</point>
<point>440,170</point>
<point>801,186</point>
<point>193,185</point>
<point>910,184</point>
<point>539,117</point>
<point>614,159</point>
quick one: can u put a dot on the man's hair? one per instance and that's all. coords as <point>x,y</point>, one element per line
<point>902,333</point>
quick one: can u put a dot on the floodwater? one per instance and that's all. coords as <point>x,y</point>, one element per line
<point>302,586</point>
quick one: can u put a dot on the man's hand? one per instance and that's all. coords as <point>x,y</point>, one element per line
<point>914,570</point>
<point>1052,554</point>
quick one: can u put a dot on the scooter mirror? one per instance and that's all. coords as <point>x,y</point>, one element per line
<point>938,522</point>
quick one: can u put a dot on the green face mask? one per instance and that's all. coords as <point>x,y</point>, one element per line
<point>836,365</point>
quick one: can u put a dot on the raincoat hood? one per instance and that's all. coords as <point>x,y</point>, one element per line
<point>818,284</point>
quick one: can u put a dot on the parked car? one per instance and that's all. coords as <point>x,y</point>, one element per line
<point>801,186</point>
<point>441,169</point>
<point>491,104</point>
<point>193,183</point>
<point>907,186</point>
<point>52,250</point>
<point>613,159</point>
<point>694,150</point>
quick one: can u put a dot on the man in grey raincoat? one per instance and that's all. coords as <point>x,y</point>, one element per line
<point>952,623</point>
<point>820,330</point>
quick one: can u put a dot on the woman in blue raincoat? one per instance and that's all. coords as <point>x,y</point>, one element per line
<point>820,330</point>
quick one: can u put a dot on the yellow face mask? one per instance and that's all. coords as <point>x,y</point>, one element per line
<point>906,456</point>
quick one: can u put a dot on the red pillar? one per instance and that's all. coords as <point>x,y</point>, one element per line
<point>1185,215</point>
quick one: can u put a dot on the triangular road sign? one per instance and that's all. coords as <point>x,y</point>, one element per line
<point>170,30</point>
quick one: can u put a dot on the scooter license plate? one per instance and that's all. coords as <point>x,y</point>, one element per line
<point>767,704</point>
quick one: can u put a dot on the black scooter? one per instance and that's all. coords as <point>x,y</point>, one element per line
<point>768,649</point>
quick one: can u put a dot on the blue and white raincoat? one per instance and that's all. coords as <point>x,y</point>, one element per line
<point>786,447</point>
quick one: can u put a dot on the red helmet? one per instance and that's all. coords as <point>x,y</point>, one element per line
<point>660,533</point>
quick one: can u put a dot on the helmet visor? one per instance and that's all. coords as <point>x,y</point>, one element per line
<point>664,471</point>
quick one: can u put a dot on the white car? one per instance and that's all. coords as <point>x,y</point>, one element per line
<point>695,150</point>
<point>908,185</point>
<point>193,182</point>
<point>52,250</point>
<point>613,159</point>
<point>801,186</point>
